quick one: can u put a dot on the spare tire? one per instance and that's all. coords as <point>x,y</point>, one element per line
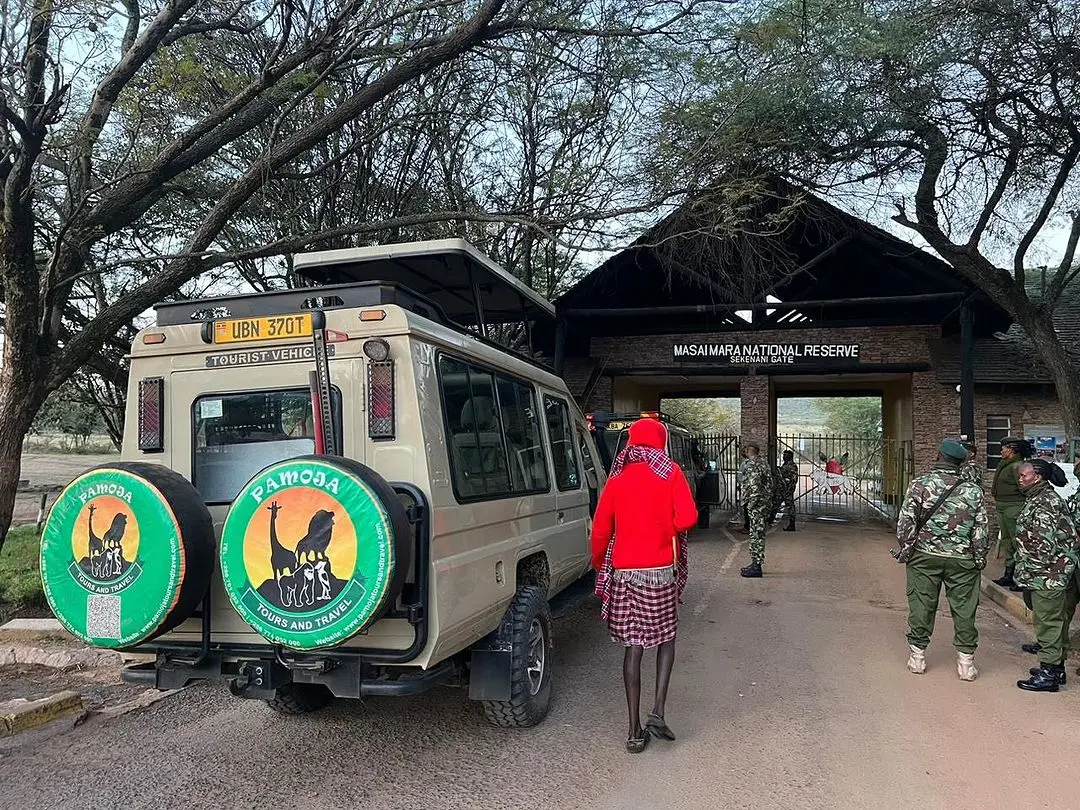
<point>127,553</point>
<point>314,550</point>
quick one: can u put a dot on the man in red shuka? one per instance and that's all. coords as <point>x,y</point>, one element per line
<point>639,552</point>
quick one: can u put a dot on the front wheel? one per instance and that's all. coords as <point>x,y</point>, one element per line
<point>531,663</point>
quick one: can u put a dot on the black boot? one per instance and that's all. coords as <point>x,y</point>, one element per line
<point>1059,673</point>
<point>1045,679</point>
<point>1031,649</point>
<point>1006,579</point>
<point>790,524</point>
<point>752,570</point>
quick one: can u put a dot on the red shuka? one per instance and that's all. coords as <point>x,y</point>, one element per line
<point>643,512</point>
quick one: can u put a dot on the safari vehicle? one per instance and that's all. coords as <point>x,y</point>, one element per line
<point>611,431</point>
<point>344,490</point>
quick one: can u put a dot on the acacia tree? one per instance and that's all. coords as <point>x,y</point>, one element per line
<point>963,117</point>
<point>139,144</point>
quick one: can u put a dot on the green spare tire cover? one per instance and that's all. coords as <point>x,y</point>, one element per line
<point>314,550</point>
<point>127,553</point>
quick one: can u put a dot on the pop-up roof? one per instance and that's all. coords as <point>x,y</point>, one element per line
<point>469,287</point>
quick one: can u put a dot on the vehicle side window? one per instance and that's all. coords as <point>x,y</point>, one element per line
<point>521,428</point>
<point>592,481</point>
<point>562,443</point>
<point>493,432</point>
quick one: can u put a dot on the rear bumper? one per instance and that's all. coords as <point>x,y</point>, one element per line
<point>260,678</point>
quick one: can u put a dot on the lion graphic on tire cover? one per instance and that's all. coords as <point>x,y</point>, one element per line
<point>302,578</point>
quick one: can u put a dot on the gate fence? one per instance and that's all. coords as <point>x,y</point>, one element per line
<point>848,477</point>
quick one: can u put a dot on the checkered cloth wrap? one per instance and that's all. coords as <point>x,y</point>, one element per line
<point>641,607</point>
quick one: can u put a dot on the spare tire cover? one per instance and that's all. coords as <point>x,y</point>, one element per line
<point>314,550</point>
<point>127,553</point>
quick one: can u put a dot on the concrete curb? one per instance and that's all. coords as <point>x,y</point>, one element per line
<point>17,716</point>
<point>1013,604</point>
<point>63,659</point>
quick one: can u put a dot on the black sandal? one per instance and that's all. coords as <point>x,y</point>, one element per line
<point>635,745</point>
<point>658,727</point>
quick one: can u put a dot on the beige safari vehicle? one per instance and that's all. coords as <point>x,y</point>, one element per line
<point>343,490</point>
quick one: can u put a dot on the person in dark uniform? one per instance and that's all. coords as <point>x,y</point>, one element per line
<point>1008,501</point>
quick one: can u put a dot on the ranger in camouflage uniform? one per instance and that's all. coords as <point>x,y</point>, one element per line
<point>1046,559</point>
<point>757,497</point>
<point>970,469</point>
<point>942,535</point>
<point>789,480</point>
<point>1008,501</point>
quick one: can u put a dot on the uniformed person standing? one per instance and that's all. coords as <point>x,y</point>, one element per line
<point>757,498</point>
<point>970,469</point>
<point>789,480</point>
<point>942,536</point>
<point>1046,559</point>
<point>1008,501</point>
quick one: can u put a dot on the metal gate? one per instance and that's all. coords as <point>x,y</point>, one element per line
<point>848,477</point>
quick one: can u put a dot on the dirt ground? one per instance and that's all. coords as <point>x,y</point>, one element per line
<point>99,687</point>
<point>50,473</point>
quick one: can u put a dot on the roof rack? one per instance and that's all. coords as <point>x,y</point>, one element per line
<point>471,289</point>
<point>284,302</point>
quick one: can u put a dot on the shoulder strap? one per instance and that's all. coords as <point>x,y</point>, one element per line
<point>937,505</point>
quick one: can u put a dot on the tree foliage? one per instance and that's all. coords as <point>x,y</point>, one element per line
<point>158,148</point>
<point>852,416</point>
<point>963,119</point>
<point>705,415</point>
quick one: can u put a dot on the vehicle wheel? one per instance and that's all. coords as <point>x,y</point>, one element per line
<point>300,698</point>
<point>530,685</point>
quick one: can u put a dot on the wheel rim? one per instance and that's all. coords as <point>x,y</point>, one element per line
<point>537,656</point>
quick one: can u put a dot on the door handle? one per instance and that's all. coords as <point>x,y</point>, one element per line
<point>562,516</point>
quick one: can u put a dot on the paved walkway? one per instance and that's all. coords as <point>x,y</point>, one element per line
<point>789,692</point>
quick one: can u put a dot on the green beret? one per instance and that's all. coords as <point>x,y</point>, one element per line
<point>950,448</point>
<point>1012,440</point>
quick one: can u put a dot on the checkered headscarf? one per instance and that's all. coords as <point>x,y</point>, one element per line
<point>659,461</point>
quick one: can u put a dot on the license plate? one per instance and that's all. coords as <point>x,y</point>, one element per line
<point>275,327</point>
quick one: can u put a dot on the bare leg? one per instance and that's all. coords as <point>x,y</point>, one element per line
<point>665,659</point>
<point>632,682</point>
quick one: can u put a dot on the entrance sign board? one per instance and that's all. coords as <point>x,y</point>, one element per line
<point>768,354</point>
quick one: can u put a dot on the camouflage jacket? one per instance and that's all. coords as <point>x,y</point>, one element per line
<point>956,529</point>
<point>756,479</point>
<point>789,477</point>
<point>1046,542</point>
<point>971,471</point>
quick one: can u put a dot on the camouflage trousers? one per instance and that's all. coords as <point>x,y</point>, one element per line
<point>1052,612</point>
<point>758,513</point>
<point>926,574</point>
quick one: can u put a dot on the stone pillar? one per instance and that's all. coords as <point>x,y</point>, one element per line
<point>931,414</point>
<point>759,411</point>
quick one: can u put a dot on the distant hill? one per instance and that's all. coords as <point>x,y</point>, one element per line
<point>801,411</point>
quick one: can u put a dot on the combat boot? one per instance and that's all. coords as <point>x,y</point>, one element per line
<point>965,666</point>
<point>1031,649</point>
<point>752,570</point>
<point>791,524</point>
<point>1061,675</point>
<point>1044,680</point>
<point>1006,579</point>
<point>916,662</point>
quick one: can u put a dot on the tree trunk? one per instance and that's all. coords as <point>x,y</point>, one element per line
<point>18,407</point>
<point>1061,366</point>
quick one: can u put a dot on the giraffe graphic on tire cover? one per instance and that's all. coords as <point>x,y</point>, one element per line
<point>302,578</point>
<point>105,558</point>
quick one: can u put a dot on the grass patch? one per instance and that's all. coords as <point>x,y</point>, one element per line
<point>20,577</point>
